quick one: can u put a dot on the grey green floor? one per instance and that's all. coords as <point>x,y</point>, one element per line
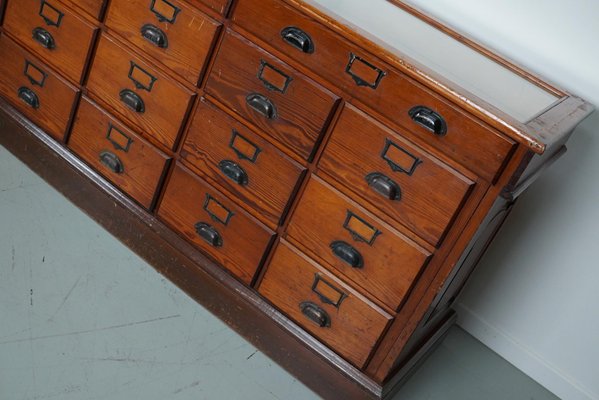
<point>81,317</point>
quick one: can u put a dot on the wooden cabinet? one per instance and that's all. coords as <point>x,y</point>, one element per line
<point>321,175</point>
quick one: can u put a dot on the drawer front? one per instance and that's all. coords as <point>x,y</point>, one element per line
<point>39,93</point>
<point>393,175</point>
<point>172,32</point>
<point>240,160</point>
<point>276,98</point>
<point>121,156</point>
<point>323,305</point>
<point>92,7</point>
<point>356,243</point>
<point>368,79</point>
<point>138,91</point>
<point>56,33</point>
<point>214,224</point>
<point>220,6</point>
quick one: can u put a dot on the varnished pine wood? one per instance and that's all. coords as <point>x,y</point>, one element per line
<point>392,262</point>
<point>430,197</point>
<point>483,156</point>
<point>522,133</point>
<point>166,104</point>
<point>468,141</point>
<point>356,324</point>
<point>272,177</point>
<point>73,37</point>
<point>144,165</point>
<point>56,97</point>
<point>302,111</point>
<point>190,36</point>
<point>244,239</point>
<point>220,6</point>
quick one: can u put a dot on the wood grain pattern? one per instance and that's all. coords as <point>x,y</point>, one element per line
<point>143,164</point>
<point>190,36</point>
<point>73,37</point>
<point>302,111</point>
<point>468,141</point>
<point>391,261</point>
<point>355,325</point>
<point>56,96</point>
<point>94,8</point>
<point>166,103</point>
<point>272,177</point>
<point>430,197</point>
<point>244,239</point>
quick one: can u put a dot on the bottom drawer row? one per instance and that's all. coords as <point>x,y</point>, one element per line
<point>323,305</point>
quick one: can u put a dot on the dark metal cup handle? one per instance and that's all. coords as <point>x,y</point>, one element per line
<point>298,39</point>
<point>234,172</point>
<point>29,97</point>
<point>315,314</point>
<point>429,119</point>
<point>384,185</point>
<point>132,100</point>
<point>44,38</point>
<point>112,162</point>
<point>348,254</point>
<point>154,35</point>
<point>262,104</point>
<point>209,234</point>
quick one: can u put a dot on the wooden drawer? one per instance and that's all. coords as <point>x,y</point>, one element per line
<point>138,91</point>
<point>53,31</point>
<point>363,76</point>
<point>356,243</point>
<point>247,165</point>
<point>38,92</point>
<point>174,33</point>
<point>267,92</point>
<point>116,152</point>
<point>91,7</point>
<point>393,175</point>
<point>220,6</point>
<point>323,305</point>
<point>214,224</point>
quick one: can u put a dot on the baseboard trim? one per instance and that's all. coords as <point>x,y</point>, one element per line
<point>522,357</point>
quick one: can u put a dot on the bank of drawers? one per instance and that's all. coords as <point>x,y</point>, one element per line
<point>305,166</point>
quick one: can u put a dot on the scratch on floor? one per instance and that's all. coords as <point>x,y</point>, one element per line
<point>14,264</point>
<point>20,186</point>
<point>252,355</point>
<point>196,383</point>
<point>91,330</point>
<point>64,300</point>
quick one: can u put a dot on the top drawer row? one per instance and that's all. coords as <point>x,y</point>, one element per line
<point>364,77</point>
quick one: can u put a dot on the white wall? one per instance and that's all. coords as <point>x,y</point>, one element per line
<point>535,297</point>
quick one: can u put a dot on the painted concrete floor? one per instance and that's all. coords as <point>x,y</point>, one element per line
<point>81,317</point>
